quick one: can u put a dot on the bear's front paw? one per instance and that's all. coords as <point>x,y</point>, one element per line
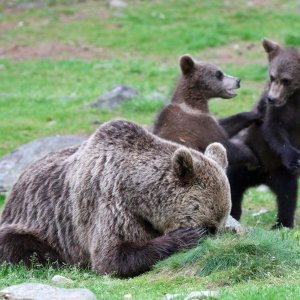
<point>259,118</point>
<point>188,237</point>
<point>292,162</point>
<point>255,116</point>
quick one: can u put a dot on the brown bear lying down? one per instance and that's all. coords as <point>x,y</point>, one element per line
<point>119,203</point>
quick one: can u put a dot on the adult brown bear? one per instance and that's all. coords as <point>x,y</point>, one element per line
<point>120,202</point>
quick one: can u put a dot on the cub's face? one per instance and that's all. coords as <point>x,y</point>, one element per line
<point>204,198</point>
<point>284,73</point>
<point>208,79</point>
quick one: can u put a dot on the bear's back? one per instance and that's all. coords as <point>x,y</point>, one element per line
<point>191,128</point>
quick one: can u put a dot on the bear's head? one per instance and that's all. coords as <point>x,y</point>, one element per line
<point>203,191</point>
<point>207,79</point>
<point>284,72</point>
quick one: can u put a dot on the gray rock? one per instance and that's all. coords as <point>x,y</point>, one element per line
<point>37,291</point>
<point>118,3</point>
<point>115,97</point>
<point>12,164</point>
<point>61,279</point>
<point>202,295</point>
<point>232,222</point>
<point>233,225</point>
<point>262,188</point>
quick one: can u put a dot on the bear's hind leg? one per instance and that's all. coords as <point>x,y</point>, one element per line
<point>19,245</point>
<point>240,179</point>
<point>284,185</point>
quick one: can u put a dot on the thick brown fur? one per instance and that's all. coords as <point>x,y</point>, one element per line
<point>119,203</point>
<point>187,120</point>
<point>276,141</point>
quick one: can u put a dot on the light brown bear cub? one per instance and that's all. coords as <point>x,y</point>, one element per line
<point>187,120</point>
<point>119,203</point>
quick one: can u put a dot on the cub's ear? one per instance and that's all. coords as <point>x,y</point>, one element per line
<point>183,166</point>
<point>217,152</point>
<point>270,47</point>
<point>186,64</point>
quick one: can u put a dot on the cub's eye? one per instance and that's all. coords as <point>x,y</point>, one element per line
<point>286,81</point>
<point>219,75</point>
<point>272,78</point>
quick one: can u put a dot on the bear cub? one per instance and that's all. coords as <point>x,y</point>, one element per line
<point>187,120</point>
<point>119,203</point>
<point>275,141</point>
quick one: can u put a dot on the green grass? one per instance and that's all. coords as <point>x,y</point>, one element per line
<point>48,96</point>
<point>231,259</point>
<point>2,199</point>
<point>159,27</point>
<point>44,96</point>
<point>259,263</point>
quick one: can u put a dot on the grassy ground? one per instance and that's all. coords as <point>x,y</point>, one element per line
<point>56,57</point>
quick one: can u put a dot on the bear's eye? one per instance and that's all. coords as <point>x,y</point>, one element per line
<point>219,75</point>
<point>286,81</point>
<point>272,78</point>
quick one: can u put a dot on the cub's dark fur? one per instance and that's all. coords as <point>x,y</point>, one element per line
<point>276,141</point>
<point>119,203</point>
<point>187,119</point>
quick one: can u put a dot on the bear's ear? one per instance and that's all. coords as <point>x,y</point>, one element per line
<point>217,152</point>
<point>270,47</point>
<point>183,166</point>
<point>186,64</point>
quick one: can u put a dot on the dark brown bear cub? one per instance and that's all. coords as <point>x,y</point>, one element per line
<point>276,141</point>
<point>187,119</point>
<point>119,203</point>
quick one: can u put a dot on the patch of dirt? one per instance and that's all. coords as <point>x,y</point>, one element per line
<point>53,50</point>
<point>100,12</point>
<point>239,53</point>
<point>34,23</point>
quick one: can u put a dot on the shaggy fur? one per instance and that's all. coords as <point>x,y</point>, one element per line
<point>276,141</point>
<point>187,119</point>
<point>120,202</point>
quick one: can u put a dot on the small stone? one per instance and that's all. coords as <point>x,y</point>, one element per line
<point>115,97</point>
<point>117,4</point>
<point>20,24</point>
<point>232,225</point>
<point>262,188</point>
<point>127,297</point>
<point>37,291</point>
<point>61,279</point>
<point>202,295</point>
